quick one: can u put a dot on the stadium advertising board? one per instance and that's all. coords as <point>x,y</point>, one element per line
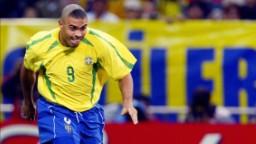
<point>19,131</point>
<point>173,59</point>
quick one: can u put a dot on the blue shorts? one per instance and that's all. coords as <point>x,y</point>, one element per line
<point>59,125</point>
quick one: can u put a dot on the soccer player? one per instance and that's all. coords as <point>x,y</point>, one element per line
<point>73,63</point>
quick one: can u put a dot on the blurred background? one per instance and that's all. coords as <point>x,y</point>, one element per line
<point>194,81</point>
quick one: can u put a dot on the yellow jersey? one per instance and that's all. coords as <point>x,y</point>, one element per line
<point>74,77</point>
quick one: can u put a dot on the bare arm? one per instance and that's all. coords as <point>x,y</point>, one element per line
<point>28,79</point>
<point>126,87</point>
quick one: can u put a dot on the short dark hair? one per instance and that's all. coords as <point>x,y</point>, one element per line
<point>77,13</point>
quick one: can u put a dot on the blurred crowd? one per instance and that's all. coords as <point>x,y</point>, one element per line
<point>115,10</point>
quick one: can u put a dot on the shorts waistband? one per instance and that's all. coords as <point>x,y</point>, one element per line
<point>62,108</point>
<point>56,107</point>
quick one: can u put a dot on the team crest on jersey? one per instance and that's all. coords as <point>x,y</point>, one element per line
<point>88,60</point>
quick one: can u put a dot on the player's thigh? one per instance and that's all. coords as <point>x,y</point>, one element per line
<point>56,127</point>
<point>92,126</point>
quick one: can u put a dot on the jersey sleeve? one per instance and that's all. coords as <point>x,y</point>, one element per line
<point>30,58</point>
<point>116,60</point>
<point>32,55</point>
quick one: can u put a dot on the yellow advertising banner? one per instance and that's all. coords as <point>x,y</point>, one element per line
<point>173,59</point>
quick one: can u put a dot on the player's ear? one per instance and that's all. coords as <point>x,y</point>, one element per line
<point>60,22</point>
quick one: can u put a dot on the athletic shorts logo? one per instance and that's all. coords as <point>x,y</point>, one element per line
<point>67,120</point>
<point>88,60</point>
<point>67,125</point>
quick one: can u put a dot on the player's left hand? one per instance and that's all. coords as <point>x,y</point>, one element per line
<point>132,112</point>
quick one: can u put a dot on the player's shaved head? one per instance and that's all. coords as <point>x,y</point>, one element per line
<point>73,10</point>
<point>72,24</point>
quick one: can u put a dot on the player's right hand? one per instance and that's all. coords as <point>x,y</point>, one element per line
<point>28,111</point>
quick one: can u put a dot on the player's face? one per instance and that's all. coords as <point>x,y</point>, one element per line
<point>72,31</point>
